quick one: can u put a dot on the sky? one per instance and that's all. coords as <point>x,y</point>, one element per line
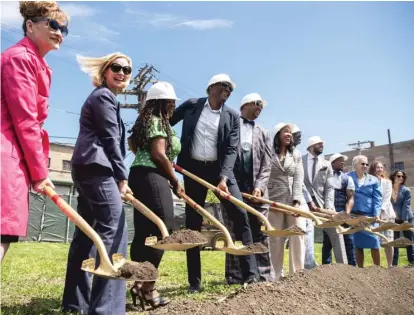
<point>341,70</point>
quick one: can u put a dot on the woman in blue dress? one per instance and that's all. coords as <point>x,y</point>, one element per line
<point>368,202</point>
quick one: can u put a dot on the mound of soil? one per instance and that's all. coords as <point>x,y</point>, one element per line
<point>296,229</point>
<point>256,248</point>
<point>327,289</point>
<point>341,216</point>
<point>402,242</point>
<point>137,271</point>
<point>184,236</point>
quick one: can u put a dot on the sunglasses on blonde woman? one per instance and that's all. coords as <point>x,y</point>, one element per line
<point>116,68</point>
<point>364,164</point>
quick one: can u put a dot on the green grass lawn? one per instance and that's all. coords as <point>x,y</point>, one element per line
<point>32,277</point>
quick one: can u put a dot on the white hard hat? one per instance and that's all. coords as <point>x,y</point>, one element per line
<point>314,140</point>
<point>282,125</point>
<point>222,77</point>
<point>252,97</point>
<point>295,128</point>
<point>161,91</point>
<point>337,156</point>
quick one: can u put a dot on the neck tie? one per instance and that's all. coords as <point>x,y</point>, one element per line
<point>246,121</point>
<point>315,160</point>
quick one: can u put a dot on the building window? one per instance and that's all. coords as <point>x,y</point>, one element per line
<point>399,166</point>
<point>66,166</point>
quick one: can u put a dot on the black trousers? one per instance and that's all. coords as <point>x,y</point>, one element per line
<point>153,190</point>
<point>241,228</point>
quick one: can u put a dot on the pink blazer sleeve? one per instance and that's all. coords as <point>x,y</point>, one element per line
<point>19,81</point>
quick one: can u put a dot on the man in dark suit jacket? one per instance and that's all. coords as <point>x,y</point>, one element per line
<point>252,172</point>
<point>209,142</point>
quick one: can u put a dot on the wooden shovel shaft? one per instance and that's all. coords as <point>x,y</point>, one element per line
<point>276,206</point>
<point>225,195</point>
<point>80,222</point>
<point>148,213</point>
<point>210,217</point>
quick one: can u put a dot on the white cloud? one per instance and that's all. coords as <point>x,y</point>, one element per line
<point>10,14</point>
<point>206,24</point>
<point>169,20</point>
<point>77,10</point>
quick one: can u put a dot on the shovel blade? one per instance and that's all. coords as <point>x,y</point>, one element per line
<point>176,246</point>
<point>384,227</point>
<point>88,265</point>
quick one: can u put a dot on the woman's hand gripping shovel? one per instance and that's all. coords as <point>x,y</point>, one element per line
<point>269,230</point>
<point>168,242</point>
<point>121,269</point>
<point>229,246</point>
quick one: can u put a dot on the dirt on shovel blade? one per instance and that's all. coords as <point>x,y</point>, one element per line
<point>295,228</point>
<point>184,236</point>
<point>361,225</point>
<point>335,289</point>
<point>255,248</point>
<point>402,241</point>
<point>342,216</point>
<point>137,271</point>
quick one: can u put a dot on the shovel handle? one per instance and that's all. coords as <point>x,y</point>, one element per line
<point>80,222</point>
<point>225,195</point>
<point>210,217</point>
<point>148,213</point>
<point>276,205</point>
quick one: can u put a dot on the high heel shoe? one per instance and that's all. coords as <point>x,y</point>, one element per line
<point>154,302</point>
<point>134,291</point>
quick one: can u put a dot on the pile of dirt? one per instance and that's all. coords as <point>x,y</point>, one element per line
<point>137,271</point>
<point>402,242</point>
<point>184,236</point>
<point>341,216</point>
<point>295,229</point>
<point>327,289</point>
<point>256,248</point>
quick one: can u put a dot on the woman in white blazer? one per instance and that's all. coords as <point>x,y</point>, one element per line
<point>285,186</point>
<point>387,213</point>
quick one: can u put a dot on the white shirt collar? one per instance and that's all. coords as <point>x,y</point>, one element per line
<point>207,104</point>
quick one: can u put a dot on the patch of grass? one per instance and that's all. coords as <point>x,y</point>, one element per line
<point>33,275</point>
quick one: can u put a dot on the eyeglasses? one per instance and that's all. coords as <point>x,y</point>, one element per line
<point>226,85</point>
<point>53,25</point>
<point>259,104</point>
<point>400,176</point>
<point>116,68</point>
<point>364,164</point>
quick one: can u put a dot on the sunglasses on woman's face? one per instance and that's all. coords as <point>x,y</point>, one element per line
<point>400,176</point>
<point>116,68</point>
<point>365,164</point>
<point>53,25</point>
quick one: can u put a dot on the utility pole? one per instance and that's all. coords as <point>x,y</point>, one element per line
<point>391,150</point>
<point>358,145</point>
<point>145,75</point>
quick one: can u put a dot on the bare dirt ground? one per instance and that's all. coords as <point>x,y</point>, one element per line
<point>328,289</point>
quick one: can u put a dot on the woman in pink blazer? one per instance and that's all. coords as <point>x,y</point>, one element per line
<point>25,82</point>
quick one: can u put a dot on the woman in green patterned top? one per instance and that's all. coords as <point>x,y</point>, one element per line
<point>151,178</point>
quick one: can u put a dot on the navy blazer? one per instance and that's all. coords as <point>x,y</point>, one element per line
<point>228,134</point>
<point>101,136</point>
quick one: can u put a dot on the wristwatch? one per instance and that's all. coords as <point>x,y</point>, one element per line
<point>223,178</point>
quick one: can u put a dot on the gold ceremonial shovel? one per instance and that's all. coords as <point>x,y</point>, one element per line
<point>229,247</point>
<point>122,269</point>
<point>152,241</point>
<point>269,230</point>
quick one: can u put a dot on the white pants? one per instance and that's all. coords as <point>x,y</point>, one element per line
<point>281,221</point>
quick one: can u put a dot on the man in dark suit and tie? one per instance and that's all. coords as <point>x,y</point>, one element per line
<point>209,143</point>
<point>252,172</point>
